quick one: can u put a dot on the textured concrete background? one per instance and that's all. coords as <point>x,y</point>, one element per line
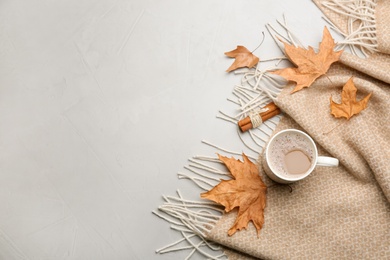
<point>101,104</point>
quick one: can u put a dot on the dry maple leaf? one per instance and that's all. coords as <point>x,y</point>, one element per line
<point>310,65</point>
<point>244,58</point>
<point>246,191</point>
<point>349,105</point>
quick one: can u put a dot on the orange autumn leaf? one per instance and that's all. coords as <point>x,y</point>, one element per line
<point>246,191</point>
<point>243,58</point>
<point>310,65</point>
<point>349,105</point>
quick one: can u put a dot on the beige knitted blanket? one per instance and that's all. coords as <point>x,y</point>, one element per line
<point>335,213</point>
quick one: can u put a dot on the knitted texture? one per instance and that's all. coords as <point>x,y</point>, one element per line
<point>382,15</point>
<point>337,212</point>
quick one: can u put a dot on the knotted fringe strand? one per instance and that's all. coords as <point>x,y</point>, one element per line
<point>194,219</point>
<point>361,36</point>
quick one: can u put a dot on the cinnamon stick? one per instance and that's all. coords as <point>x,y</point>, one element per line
<point>246,124</point>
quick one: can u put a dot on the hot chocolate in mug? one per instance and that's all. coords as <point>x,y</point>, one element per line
<point>291,155</point>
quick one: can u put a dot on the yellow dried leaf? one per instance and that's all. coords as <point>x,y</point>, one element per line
<point>246,191</point>
<point>243,58</point>
<point>349,105</point>
<point>310,65</point>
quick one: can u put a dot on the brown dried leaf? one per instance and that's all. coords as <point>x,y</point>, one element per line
<point>349,105</point>
<point>310,65</point>
<point>243,58</point>
<point>246,191</point>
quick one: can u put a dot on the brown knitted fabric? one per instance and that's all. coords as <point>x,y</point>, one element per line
<point>382,16</point>
<point>337,212</point>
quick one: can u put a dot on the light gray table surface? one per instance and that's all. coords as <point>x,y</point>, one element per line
<point>103,102</point>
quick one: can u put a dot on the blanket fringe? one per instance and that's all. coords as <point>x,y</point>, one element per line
<point>194,219</point>
<point>361,25</point>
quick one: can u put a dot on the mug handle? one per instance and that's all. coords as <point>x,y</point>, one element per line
<point>327,161</point>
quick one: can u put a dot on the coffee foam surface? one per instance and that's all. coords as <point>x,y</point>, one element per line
<point>285,143</point>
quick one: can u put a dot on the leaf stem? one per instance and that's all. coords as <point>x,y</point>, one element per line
<point>329,79</point>
<point>260,43</point>
<point>333,128</point>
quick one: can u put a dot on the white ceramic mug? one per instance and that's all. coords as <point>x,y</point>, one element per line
<point>286,141</point>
